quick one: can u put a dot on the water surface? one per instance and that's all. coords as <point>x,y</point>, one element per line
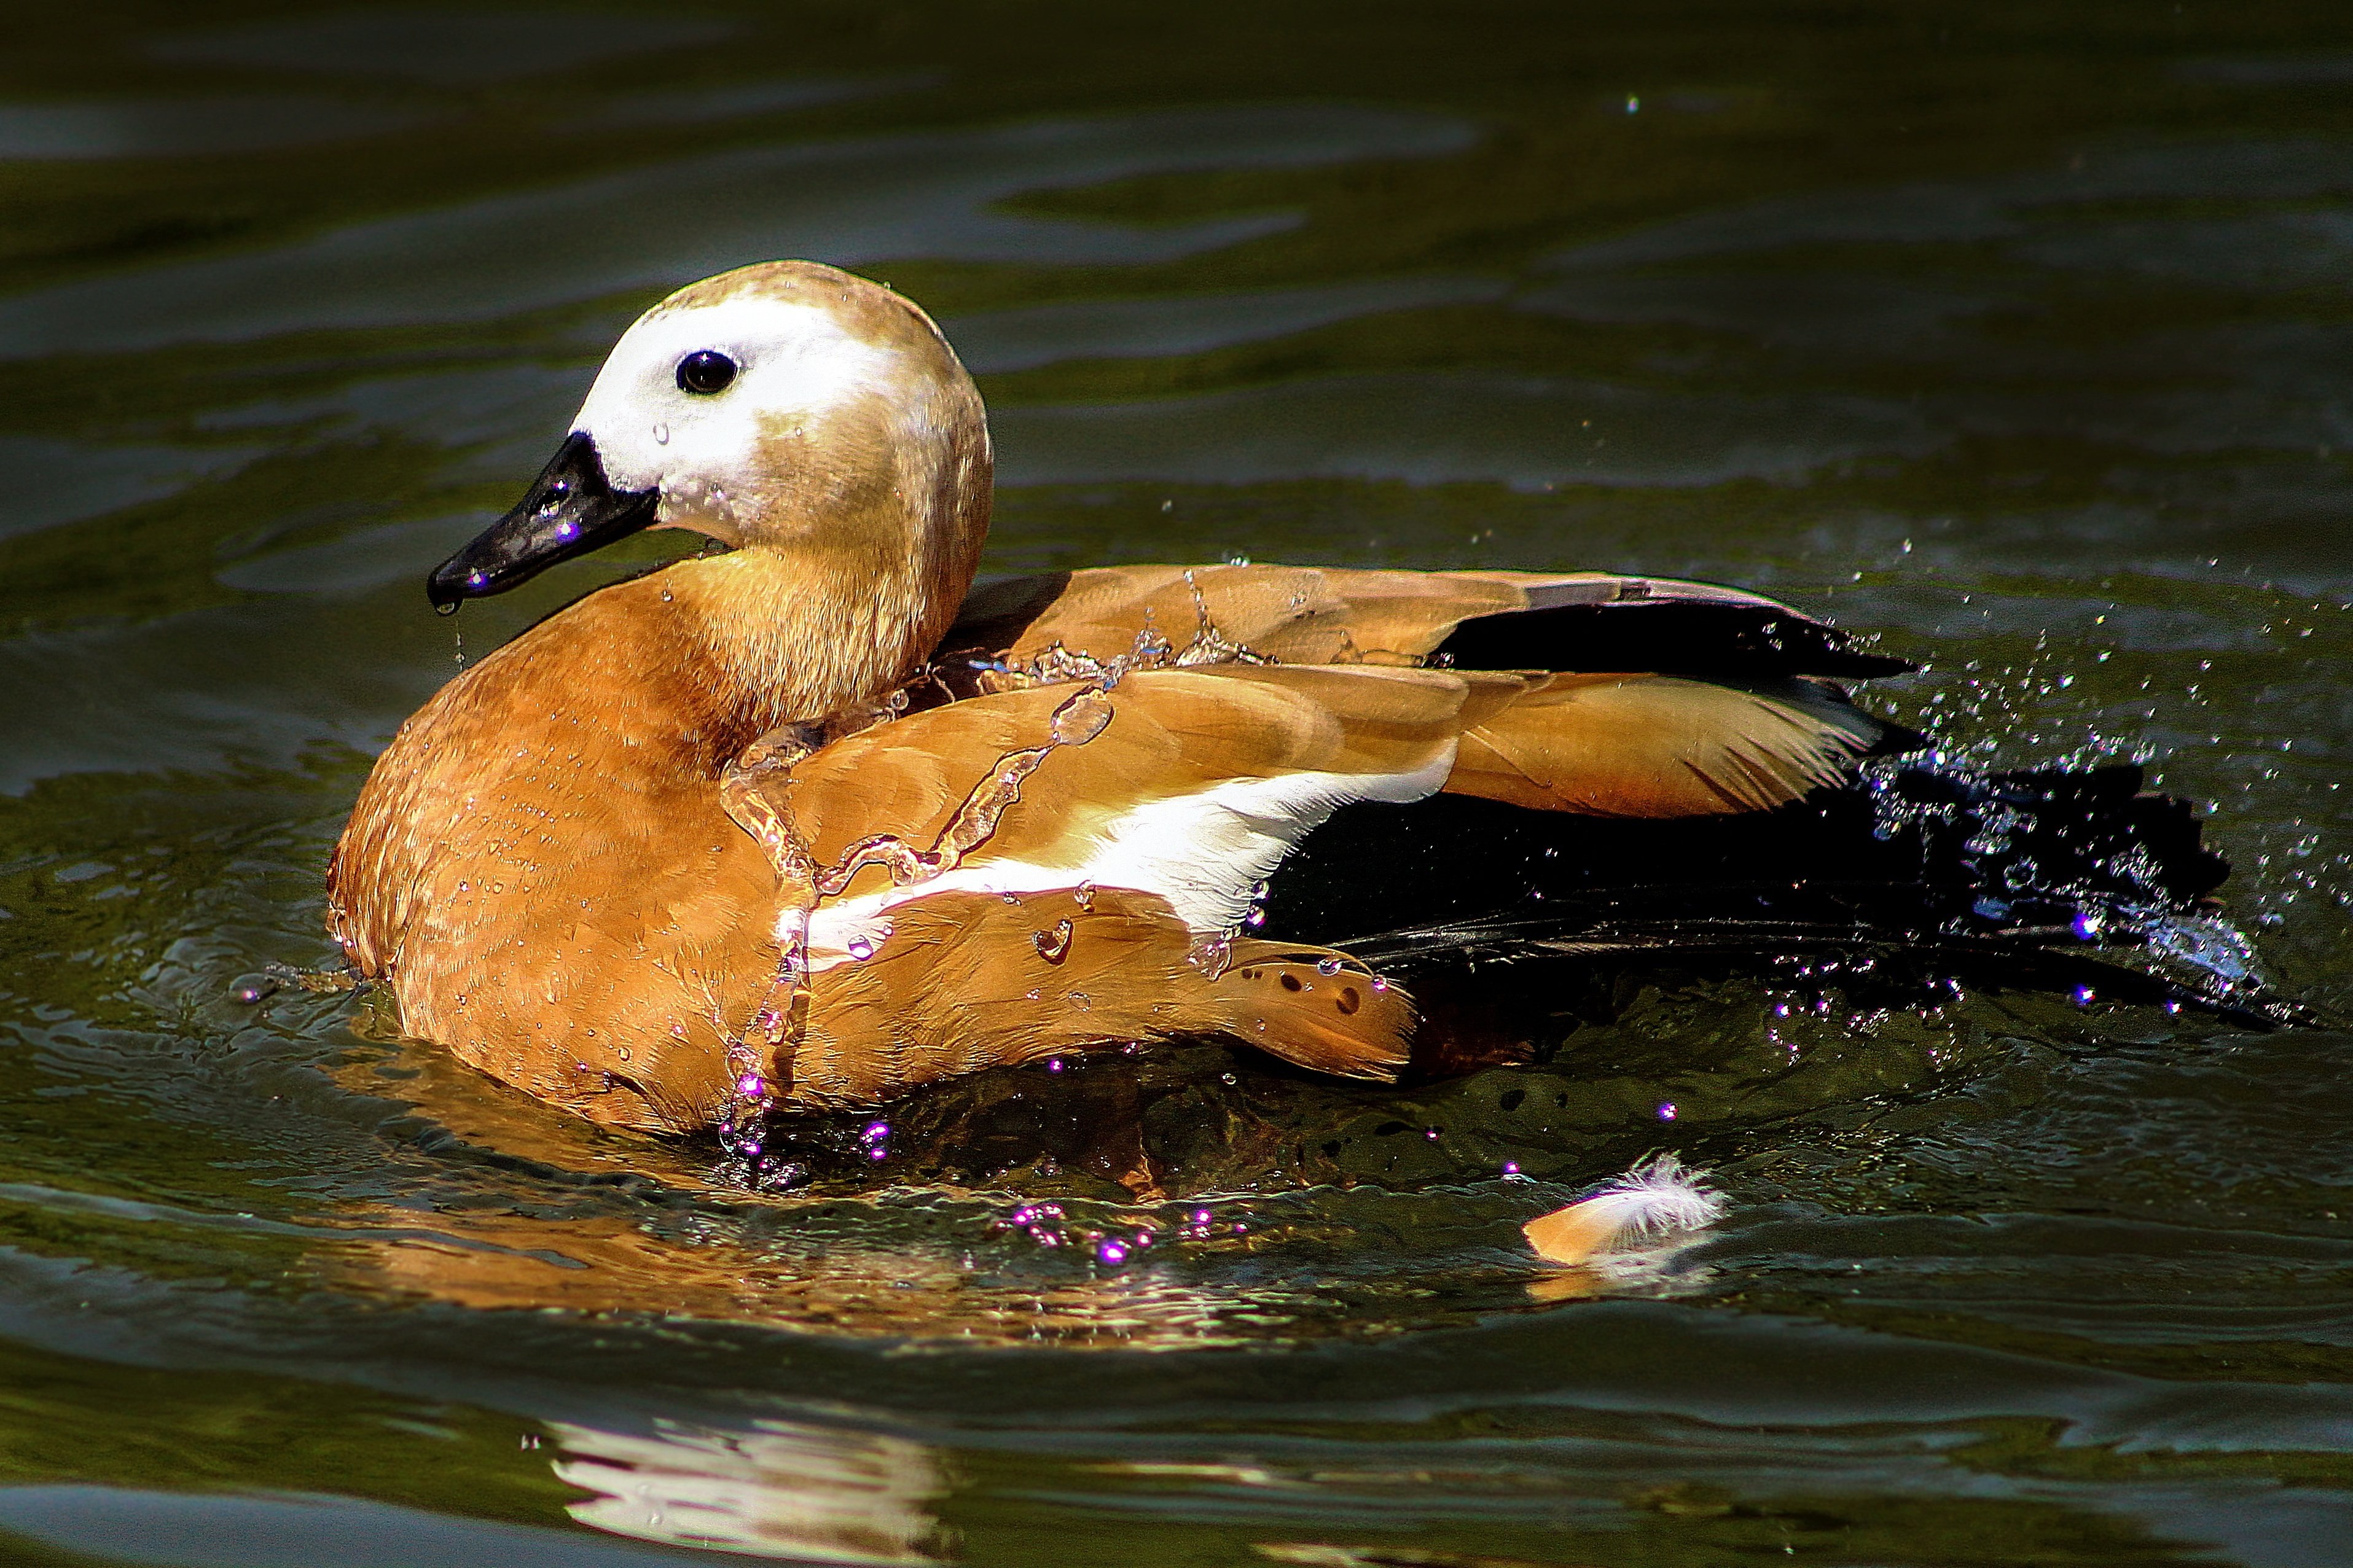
<point>2019,338</point>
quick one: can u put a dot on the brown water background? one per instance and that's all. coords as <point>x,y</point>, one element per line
<point>2020,335</point>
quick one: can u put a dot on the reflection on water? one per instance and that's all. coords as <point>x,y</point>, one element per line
<point>823,1494</point>
<point>181,128</point>
<point>1002,341</point>
<point>449,47</point>
<point>859,201</point>
<point>609,1265</point>
<point>745,99</point>
<point>530,1212</point>
<point>2022,348</point>
<point>1528,432</point>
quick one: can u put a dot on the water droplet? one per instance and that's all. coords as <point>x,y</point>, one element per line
<point>622,1052</point>
<point>448,609</point>
<point>750,1083</point>
<point>1112,1252</point>
<point>661,434</point>
<point>1667,1110</point>
<point>1328,965</point>
<point>1082,718</point>
<point>861,948</point>
<point>1082,1001</point>
<point>1053,946</point>
<point>1055,1065</point>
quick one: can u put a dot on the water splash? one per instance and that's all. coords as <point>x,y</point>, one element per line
<point>2051,852</point>
<point>2207,945</point>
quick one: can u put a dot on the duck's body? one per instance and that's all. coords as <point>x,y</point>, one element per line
<point>544,867</point>
<point>668,857</point>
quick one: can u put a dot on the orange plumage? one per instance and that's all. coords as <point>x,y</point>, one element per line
<point>618,863</point>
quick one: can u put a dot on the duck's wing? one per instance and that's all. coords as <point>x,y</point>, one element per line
<point>989,861</point>
<point>1195,782</point>
<point>1572,621</point>
<point>1665,746</point>
<point>1728,734</point>
<point>1187,783</point>
<point>1729,707</point>
<point>1055,868</point>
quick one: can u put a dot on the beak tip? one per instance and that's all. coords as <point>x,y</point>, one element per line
<point>569,510</point>
<point>451,584</point>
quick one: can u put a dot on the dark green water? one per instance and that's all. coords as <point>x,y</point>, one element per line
<point>2020,334</point>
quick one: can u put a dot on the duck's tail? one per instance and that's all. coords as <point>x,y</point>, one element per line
<point>2049,878</point>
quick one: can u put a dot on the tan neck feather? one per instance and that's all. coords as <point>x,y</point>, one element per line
<point>801,634</point>
<point>868,533</point>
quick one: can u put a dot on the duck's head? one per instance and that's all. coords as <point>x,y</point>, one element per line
<point>787,408</point>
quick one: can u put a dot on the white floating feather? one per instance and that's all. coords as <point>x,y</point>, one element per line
<point>1655,1202</point>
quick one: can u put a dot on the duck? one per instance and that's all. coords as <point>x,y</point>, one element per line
<point>812,822</point>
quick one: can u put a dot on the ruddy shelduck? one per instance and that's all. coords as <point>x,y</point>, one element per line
<point>810,823</point>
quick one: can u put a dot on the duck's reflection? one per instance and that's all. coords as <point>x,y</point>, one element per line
<point>504,1205</point>
<point>823,1267</point>
<point>530,1211</point>
<point>774,1488</point>
<point>810,1276</point>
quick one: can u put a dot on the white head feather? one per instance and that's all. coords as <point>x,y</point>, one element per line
<point>707,453</point>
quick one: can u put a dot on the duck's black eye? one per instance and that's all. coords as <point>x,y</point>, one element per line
<point>705,370</point>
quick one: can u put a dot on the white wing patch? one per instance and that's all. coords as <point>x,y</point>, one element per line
<point>1205,853</point>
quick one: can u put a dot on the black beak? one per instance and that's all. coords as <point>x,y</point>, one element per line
<point>569,510</point>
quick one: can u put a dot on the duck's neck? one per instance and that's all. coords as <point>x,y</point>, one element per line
<point>802,635</point>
